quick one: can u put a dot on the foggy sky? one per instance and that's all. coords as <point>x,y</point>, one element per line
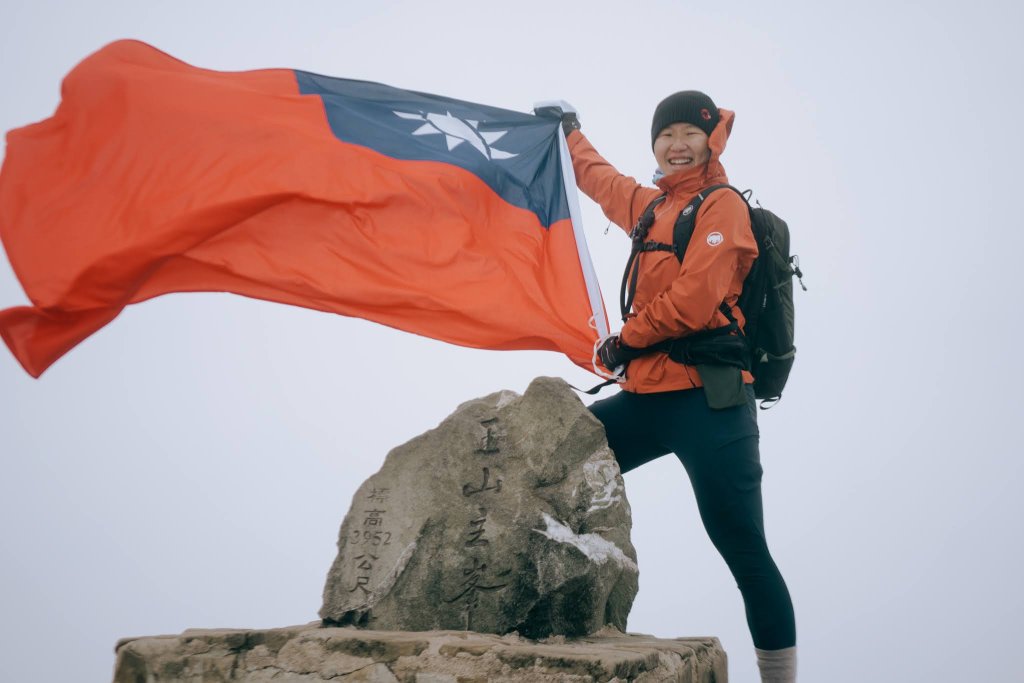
<point>189,465</point>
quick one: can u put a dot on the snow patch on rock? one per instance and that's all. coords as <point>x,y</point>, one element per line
<point>505,397</point>
<point>596,548</point>
<point>602,478</point>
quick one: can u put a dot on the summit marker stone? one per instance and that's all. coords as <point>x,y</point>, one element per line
<point>508,516</point>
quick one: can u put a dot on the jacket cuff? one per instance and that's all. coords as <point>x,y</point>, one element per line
<point>627,338</point>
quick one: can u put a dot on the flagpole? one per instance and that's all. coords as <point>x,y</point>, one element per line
<point>575,217</point>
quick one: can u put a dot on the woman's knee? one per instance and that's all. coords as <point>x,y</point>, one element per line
<point>631,445</point>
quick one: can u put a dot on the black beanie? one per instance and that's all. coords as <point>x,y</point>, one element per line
<point>688,106</point>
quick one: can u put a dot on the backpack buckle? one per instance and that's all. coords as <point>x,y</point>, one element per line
<point>795,260</point>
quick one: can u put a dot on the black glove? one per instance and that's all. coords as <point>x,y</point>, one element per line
<point>570,121</point>
<point>614,352</point>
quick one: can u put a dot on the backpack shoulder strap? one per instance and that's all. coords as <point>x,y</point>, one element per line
<point>646,219</point>
<point>683,230</point>
<point>638,236</point>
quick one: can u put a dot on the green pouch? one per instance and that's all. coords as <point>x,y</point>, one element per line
<point>723,385</point>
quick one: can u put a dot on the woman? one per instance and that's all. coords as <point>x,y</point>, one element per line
<point>664,406</point>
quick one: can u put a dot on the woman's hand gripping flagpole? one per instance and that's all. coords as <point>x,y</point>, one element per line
<point>565,112</point>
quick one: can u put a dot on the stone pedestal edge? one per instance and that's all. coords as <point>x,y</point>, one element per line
<point>313,653</point>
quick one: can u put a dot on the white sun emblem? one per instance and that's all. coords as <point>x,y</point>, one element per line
<point>456,131</point>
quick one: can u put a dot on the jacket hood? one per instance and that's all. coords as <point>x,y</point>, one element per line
<point>693,179</point>
<point>719,136</point>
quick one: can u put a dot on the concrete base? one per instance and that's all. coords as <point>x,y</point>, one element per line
<point>313,654</point>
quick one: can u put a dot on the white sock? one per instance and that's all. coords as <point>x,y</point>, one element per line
<point>777,666</point>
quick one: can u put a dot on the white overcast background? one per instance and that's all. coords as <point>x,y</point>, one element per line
<point>189,465</point>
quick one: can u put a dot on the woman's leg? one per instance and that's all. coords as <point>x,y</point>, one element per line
<point>719,449</point>
<point>727,484</point>
<point>629,429</point>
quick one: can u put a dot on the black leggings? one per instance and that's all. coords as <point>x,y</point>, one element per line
<point>719,449</point>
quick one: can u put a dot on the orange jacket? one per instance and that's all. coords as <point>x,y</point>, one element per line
<point>674,299</point>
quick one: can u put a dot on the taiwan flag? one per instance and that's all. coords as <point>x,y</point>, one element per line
<point>427,214</point>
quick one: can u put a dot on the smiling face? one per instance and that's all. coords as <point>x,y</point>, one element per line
<point>680,146</point>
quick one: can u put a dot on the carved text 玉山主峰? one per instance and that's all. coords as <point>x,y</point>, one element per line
<point>476,574</point>
<point>476,530</point>
<point>477,577</point>
<point>469,489</point>
<point>489,443</point>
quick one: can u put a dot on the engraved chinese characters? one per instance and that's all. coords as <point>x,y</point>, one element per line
<point>479,574</point>
<point>509,516</point>
<point>370,537</point>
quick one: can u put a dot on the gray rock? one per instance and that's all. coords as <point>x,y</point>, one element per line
<point>509,516</point>
<point>311,654</point>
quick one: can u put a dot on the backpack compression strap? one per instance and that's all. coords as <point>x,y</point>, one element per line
<point>639,236</point>
<point>681,234</point>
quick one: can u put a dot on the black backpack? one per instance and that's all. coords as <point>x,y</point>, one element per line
<point>766,299</point>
